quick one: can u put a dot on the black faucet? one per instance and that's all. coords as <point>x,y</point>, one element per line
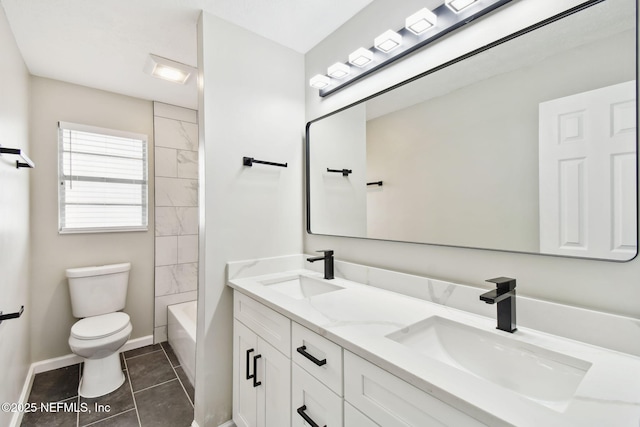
<point>505,296</point>
<point>328,262</point>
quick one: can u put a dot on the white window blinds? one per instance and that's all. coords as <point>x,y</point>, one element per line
<point>102,179</point>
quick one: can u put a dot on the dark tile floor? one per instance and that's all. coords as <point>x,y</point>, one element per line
<point>156,392</point>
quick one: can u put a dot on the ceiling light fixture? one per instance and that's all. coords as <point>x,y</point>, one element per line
<point>167,69</point>
<point>387,41</point>
<point>421,21</point>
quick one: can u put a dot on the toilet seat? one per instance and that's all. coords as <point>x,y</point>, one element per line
<point>104,325</point>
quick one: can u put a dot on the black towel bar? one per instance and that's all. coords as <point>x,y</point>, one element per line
<point>249,161</point>
<point>26,163</point>
<point>11,315</point>
<point>344,172</point>
<point>375,183</point>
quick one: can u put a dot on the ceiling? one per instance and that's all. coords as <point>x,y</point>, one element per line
<point>105,44</point>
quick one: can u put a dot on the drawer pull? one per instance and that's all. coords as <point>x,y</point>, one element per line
<point>255,370</point>
<point>302,351</point>
<point>247,366</point>
<point>306,417</point>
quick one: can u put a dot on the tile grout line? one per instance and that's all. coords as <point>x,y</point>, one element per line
<point>140,355</point>
<point>111,416</point>
<point>133,395</point>
<point>177,376</point>
<point>156,385</point>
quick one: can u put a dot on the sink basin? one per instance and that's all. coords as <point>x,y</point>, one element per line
<point>539,374</point>
<point>300,287</point>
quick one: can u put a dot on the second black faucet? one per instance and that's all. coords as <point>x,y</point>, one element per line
<point>328,262</point>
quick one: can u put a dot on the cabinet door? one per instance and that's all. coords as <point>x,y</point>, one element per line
<point>355,418</point>
<point>274,392</point>
<point>245,347</point>
<point>310,398</point>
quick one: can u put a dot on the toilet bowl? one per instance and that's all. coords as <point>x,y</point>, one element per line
<point>98,340</point>
<point>97,295</point>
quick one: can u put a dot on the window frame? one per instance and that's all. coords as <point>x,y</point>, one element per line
<point>67,126</point>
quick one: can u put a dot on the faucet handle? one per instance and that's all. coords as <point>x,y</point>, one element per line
<point>503,283</point>
<point>326,252</point>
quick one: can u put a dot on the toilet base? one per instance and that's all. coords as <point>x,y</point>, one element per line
<point>101,376</point>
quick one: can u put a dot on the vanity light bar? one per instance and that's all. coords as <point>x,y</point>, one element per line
<point>421,28</point>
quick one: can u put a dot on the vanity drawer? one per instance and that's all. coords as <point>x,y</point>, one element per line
<point>270,325</point>
<point>390,401</point>
<point>311,398</point>
<point>306,346</point>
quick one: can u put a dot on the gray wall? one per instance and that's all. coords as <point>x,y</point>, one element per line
<point>606,286</point>
<point>251,103</point>
<point>52,253</point>
<point>14,220</point>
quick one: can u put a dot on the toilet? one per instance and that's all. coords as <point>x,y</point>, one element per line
<point>97,295</point>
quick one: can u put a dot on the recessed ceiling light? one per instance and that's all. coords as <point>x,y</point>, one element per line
<point>459,5</point>
<point>421,21</point>
<point>339,70</point>
<point>387,41</point>
<point>319,81</point>
<point>361,57</point>
<point>167,69</point>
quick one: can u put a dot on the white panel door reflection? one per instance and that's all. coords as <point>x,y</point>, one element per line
<point>587,167</point>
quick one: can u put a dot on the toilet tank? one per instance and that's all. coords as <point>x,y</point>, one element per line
<point>99,289</point>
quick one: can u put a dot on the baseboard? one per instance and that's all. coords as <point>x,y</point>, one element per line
<point>72,359</point>
<point>227,424</point>
<point>16,420</point>
<point>61,362</point>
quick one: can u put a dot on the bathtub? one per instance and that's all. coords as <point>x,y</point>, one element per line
<point>181,331</point>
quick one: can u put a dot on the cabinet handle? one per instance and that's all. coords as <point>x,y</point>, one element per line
<point>255,370</point>
<point>306,417</point>
<point>247,370</point>
<point>302,351</point>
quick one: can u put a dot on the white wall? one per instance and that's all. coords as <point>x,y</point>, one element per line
<point>14,220</point>
<point>251,103</point>
<point>52,253</point>
<point>606,286</point>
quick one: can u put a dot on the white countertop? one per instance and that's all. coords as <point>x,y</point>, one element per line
<point>359,317</point>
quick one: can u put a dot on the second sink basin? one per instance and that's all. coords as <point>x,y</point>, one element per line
<point>300,287</point>
<point>545,376</point>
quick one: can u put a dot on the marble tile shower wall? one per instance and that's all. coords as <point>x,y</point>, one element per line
<point>176,210</point>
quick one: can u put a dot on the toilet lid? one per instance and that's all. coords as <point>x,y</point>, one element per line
<point>95,327</point>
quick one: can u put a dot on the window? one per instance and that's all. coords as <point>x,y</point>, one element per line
<point>102,179</point>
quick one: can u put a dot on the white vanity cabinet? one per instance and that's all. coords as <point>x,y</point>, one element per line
<point>285,375</point>
<point>390,401</point>
<point>316,379</point>
<point>261,370</point>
